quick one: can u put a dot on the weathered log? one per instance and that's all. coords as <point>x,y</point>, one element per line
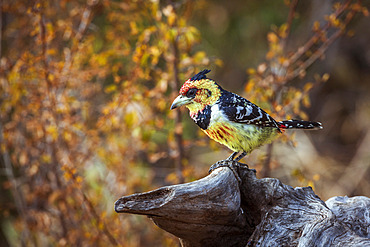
<point>221,210</point>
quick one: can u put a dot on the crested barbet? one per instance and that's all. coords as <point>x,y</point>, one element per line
<point>231,119</point>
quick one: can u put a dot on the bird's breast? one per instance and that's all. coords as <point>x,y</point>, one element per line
<point>220,128</point>
<point>220,132</point>
<point>240,137</point>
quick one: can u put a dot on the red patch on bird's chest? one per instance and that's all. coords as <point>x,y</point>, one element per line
<point>219,133</point>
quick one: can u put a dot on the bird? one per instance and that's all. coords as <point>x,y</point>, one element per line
<point>231,119</point>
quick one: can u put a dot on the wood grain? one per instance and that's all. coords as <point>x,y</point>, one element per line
<point>217,210</point>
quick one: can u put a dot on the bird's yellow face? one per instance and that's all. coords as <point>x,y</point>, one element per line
<point>196,94</point>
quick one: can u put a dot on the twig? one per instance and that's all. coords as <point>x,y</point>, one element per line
<point>44,50</point>
<point>289,22</point>
<point>321,50</point>
<point>178,124</point>
<point>68,64</point>
<point>105,229</point>
<point>68,60</point>
<point>266,168</point>
<point>318,53</point>
<point>16,192</point>
<point>312,41</point>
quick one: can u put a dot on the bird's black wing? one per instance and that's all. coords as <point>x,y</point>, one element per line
<point>241,110</point>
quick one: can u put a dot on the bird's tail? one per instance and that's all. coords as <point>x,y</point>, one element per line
<point>299,124</point>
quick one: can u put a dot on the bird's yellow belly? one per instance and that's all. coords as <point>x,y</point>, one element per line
<point>241,137</point>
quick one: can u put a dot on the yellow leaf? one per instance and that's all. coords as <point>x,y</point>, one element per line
<point>316,26</point>
<point>303,115</point>
<point>251,71</point>
<point>356,7</point>
<point>131,119</point>
<point>46,158</point>
<point>171,19</point>
<point>64,167</point>
<point>282,30</point>
<point>272,37</point>
<point>110,88</point>
<point>250,85</point>
<point>172,178</point>
<point>67,176</point>
<point>67,136</point>
<point>333,20</point>
<point>278,108</point>
<point>106,110</point>
<point>350,33</point>
<point>133,28</point>
<point>337,5</point>
<point>283,61</point>
<point>51,51</point>
<point>51,77</point>
<point>199,56</point>
<point>270,55</point>
<point>79,179</point>
<point>52,130</point>
<point>316,177</point>
<point>102,60</point>
<point>365,11</point>
<point>325,77</point>
<point>306,101</point>
<point>308,86</point>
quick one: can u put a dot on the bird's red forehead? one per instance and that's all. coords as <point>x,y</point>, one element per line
<point>187,85</point>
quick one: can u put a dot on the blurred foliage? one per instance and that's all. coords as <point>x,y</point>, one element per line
<point>85,93</point>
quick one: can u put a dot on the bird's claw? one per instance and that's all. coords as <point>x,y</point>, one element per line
<point>230,164</point>
<point>226,163</point>
<point>221,163</point>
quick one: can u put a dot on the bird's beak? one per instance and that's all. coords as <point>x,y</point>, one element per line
<point>179,101</point>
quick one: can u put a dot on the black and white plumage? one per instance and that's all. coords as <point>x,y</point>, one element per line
<point>241,110</point>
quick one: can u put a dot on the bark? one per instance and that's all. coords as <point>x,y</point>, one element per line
<point>231,207</point>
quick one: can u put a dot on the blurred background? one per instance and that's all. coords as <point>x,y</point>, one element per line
<point>86,88</point>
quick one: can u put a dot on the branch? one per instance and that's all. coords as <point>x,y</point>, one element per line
<point>195,211</point>
<point>292,9</point>
<point>16,192</point>
<point>218,211</point>
<point>178,130</point>
<point>309,44</point>
<point>86,18</point>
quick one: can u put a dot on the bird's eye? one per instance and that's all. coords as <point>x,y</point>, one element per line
<point>209,93</point>
<point>191,92</point>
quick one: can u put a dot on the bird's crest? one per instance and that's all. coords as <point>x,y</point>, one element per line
<point>200,75</point>
<point>196,81</point>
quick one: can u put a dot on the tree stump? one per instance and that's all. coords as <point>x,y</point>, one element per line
<point>231,207</point>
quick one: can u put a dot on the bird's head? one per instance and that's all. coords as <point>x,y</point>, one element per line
<point>198,92</point>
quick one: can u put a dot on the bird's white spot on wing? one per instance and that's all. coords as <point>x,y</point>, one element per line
<point>249,110</point>
<point>217,115</point>
<point>239,109</point>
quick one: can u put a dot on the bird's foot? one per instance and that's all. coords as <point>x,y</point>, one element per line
<point>226,163</point>
<point>221,163</point>
<point>230,164</point>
